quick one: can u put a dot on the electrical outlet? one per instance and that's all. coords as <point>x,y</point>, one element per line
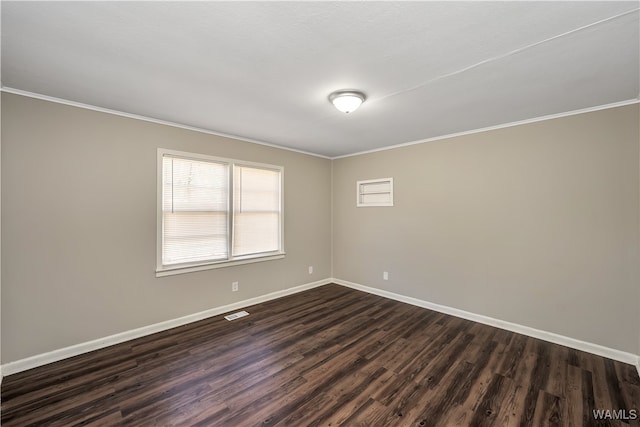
<point>385,275</point>
<point>234,286</point>
<point>311,269</point>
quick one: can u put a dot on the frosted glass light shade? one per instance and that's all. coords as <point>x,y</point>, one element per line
<point>347,101</point>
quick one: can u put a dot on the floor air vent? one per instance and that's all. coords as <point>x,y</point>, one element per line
<point>237,315</point>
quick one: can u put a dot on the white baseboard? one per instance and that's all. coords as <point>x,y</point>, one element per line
<point>75,350</point>
<point>610,353</point>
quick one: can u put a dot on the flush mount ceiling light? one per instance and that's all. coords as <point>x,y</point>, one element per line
<point>347,100</point>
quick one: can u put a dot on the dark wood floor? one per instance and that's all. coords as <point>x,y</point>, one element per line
<point>329,356</point>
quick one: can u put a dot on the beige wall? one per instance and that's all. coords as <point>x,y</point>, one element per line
<point>79,226</point>
<point>535,224</point>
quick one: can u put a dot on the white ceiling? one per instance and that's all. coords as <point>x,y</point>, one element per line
<point>263,70</point>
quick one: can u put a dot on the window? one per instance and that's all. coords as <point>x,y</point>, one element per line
<point>374,192</point>
<point>215,212</point>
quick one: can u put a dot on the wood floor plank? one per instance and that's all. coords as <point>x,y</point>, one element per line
<point>547,411</point>
<point>478,390</point>
<point>632,391</point>
<point>572,397</point>
<point>489,409</point>
<point>357,400</point>
<point>538,378</point>
<point>372,413</point>
<point>330,356</point>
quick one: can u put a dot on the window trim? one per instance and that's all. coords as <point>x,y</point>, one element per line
<point>167,270</point>
<point>360,193</point>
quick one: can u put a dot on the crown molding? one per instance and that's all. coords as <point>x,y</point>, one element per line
<point>496,127</point>
<point>308,153</point>
<point>151,119</point>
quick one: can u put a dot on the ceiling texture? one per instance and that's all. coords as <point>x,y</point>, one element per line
<point>262,71</point>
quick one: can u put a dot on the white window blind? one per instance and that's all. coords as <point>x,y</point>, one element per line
<point>256,214</point>
<point>195,221</point>
<point>214,211</point>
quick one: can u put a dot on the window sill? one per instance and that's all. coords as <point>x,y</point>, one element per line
<point>170,271</point>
